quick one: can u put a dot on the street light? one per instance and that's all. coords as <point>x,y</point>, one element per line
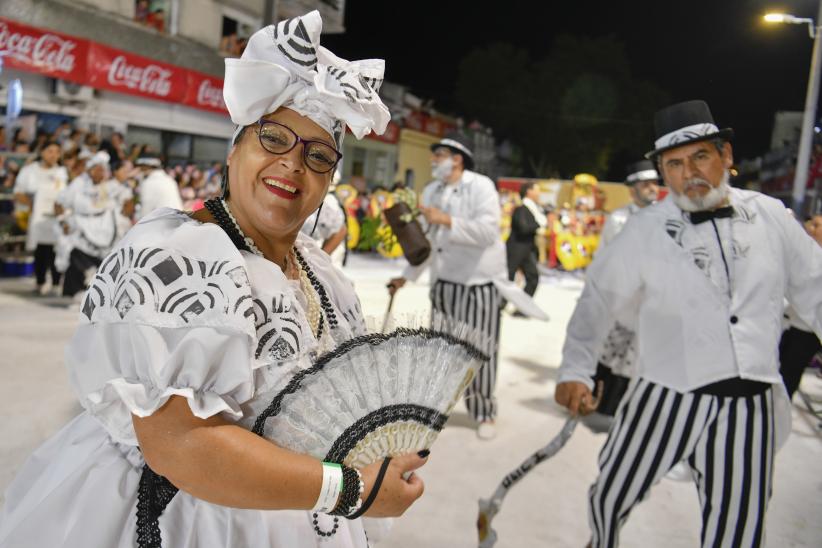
<point>803,158</point>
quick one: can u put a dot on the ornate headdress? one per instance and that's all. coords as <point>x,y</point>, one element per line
<point>284,65</point>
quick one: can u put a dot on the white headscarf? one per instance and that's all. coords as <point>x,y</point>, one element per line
<point>284,65</point>
<point>100,158</point>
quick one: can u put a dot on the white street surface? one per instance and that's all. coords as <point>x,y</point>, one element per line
<point>547,508</point>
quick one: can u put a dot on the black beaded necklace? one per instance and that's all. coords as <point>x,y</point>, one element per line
<point>217,210</point>
<point>315,517</point>
<point>325,302</point>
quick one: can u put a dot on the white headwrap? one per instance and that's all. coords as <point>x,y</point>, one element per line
<point>100,158</point>
<point>284,65</point>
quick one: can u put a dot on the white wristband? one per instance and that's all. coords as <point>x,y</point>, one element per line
<point>331,488</point>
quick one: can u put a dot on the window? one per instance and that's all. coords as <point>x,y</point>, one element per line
<point>236,29</point>
<point>209,149</point>
<point>152,13</point>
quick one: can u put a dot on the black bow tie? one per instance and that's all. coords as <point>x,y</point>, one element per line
<point>702,216</point>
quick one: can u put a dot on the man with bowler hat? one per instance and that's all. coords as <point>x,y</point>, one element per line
<point>702,275</point>
<point>467,264</point>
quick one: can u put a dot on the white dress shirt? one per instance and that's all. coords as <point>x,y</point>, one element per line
<point>471,251</point>
<point>697,324</point>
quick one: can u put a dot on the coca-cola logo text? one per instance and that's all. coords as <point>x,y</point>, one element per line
<point>209,95</point>
<point>45,51</point>
<point>151,79</point>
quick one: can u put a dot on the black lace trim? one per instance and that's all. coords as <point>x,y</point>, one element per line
<point>153,495</point>
<point>385,415</point>
<point>373,339</point>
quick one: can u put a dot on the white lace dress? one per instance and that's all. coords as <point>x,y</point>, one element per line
<point>175,309</point>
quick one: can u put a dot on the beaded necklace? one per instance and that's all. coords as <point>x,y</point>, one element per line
<point>219,209</point>
<point>296,268</point>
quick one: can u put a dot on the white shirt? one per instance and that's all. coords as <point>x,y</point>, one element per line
<point>158,190</point>
<point>471,251</point>
<point>694,329</point>
<point>536,211</point>
<point>43,184</point>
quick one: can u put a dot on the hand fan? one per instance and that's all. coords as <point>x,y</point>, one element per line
<point>373,396</point>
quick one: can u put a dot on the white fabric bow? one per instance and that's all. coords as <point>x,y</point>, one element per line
<point>284,65</point>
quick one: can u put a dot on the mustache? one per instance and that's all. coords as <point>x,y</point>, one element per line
<point>697,182</point>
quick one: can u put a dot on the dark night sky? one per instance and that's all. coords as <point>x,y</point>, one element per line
<point>719,50</point>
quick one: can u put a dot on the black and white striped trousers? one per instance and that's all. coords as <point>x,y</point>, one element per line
<point>479,307</point>
<point>727,441</point>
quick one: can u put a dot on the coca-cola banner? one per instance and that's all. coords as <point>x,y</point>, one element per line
<point>44,51</point>
<point>117,70</point>
<point>205,92</point>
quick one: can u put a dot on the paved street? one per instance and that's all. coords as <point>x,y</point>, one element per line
<point>545,509</point>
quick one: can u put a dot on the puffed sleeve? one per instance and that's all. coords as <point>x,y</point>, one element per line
<point>157,323</point>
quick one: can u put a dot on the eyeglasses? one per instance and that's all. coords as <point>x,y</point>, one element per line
<point>277,138</point>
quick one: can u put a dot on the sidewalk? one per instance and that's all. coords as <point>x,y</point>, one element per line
<point>547,509</point>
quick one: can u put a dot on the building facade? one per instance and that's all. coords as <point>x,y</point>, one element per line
<point>149,69</point>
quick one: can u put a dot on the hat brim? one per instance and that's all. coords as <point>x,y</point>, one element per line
<point>725,134</point>
<point>467,161</point>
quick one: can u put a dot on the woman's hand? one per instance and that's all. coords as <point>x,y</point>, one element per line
<point>395,494</point>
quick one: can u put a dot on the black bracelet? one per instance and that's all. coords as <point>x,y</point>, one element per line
<point>351,492</point>
<point>374,490</point>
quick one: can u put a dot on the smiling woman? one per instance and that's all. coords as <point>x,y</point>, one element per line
<point>193,324</point>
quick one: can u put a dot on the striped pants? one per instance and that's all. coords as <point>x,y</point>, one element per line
<point>479,307</point>
<point>728,443</point>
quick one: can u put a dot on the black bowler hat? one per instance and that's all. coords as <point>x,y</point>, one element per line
<point>459,143</point>
<point>685,123</point>
<point>644,170</point>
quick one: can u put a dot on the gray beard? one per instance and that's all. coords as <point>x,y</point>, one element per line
<point>711,200</point>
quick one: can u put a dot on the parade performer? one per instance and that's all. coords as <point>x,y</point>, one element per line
<point>156,188</point>
<point>521,248</point>
<point>36,188</point>
<point>468,269</point>
<point>615,366</point>
<point>702,274</point>
<point>186,330</point>
<point>90,209</point>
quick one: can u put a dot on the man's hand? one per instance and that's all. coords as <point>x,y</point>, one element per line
<point>576,396</point>
<point>394,285</point>
<point>436,216</point>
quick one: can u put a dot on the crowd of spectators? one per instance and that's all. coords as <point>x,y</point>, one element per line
<point>197,182</point>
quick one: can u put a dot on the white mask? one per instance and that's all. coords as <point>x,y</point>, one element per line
<point>442,170</point>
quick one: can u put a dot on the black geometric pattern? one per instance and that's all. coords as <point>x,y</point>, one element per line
<point>175,289</point>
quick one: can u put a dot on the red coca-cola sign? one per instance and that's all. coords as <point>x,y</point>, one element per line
<point>205,92</point>
<point>43,51</point>
<point>117,70</point>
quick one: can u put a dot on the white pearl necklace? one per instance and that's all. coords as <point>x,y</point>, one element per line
<point>248,241</point>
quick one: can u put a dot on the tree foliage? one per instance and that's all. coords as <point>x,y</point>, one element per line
<point>572,111</point>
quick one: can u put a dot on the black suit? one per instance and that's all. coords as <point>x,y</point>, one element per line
<point>521,248</point>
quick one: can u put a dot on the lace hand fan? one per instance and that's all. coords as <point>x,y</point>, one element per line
<point>373,396</point>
